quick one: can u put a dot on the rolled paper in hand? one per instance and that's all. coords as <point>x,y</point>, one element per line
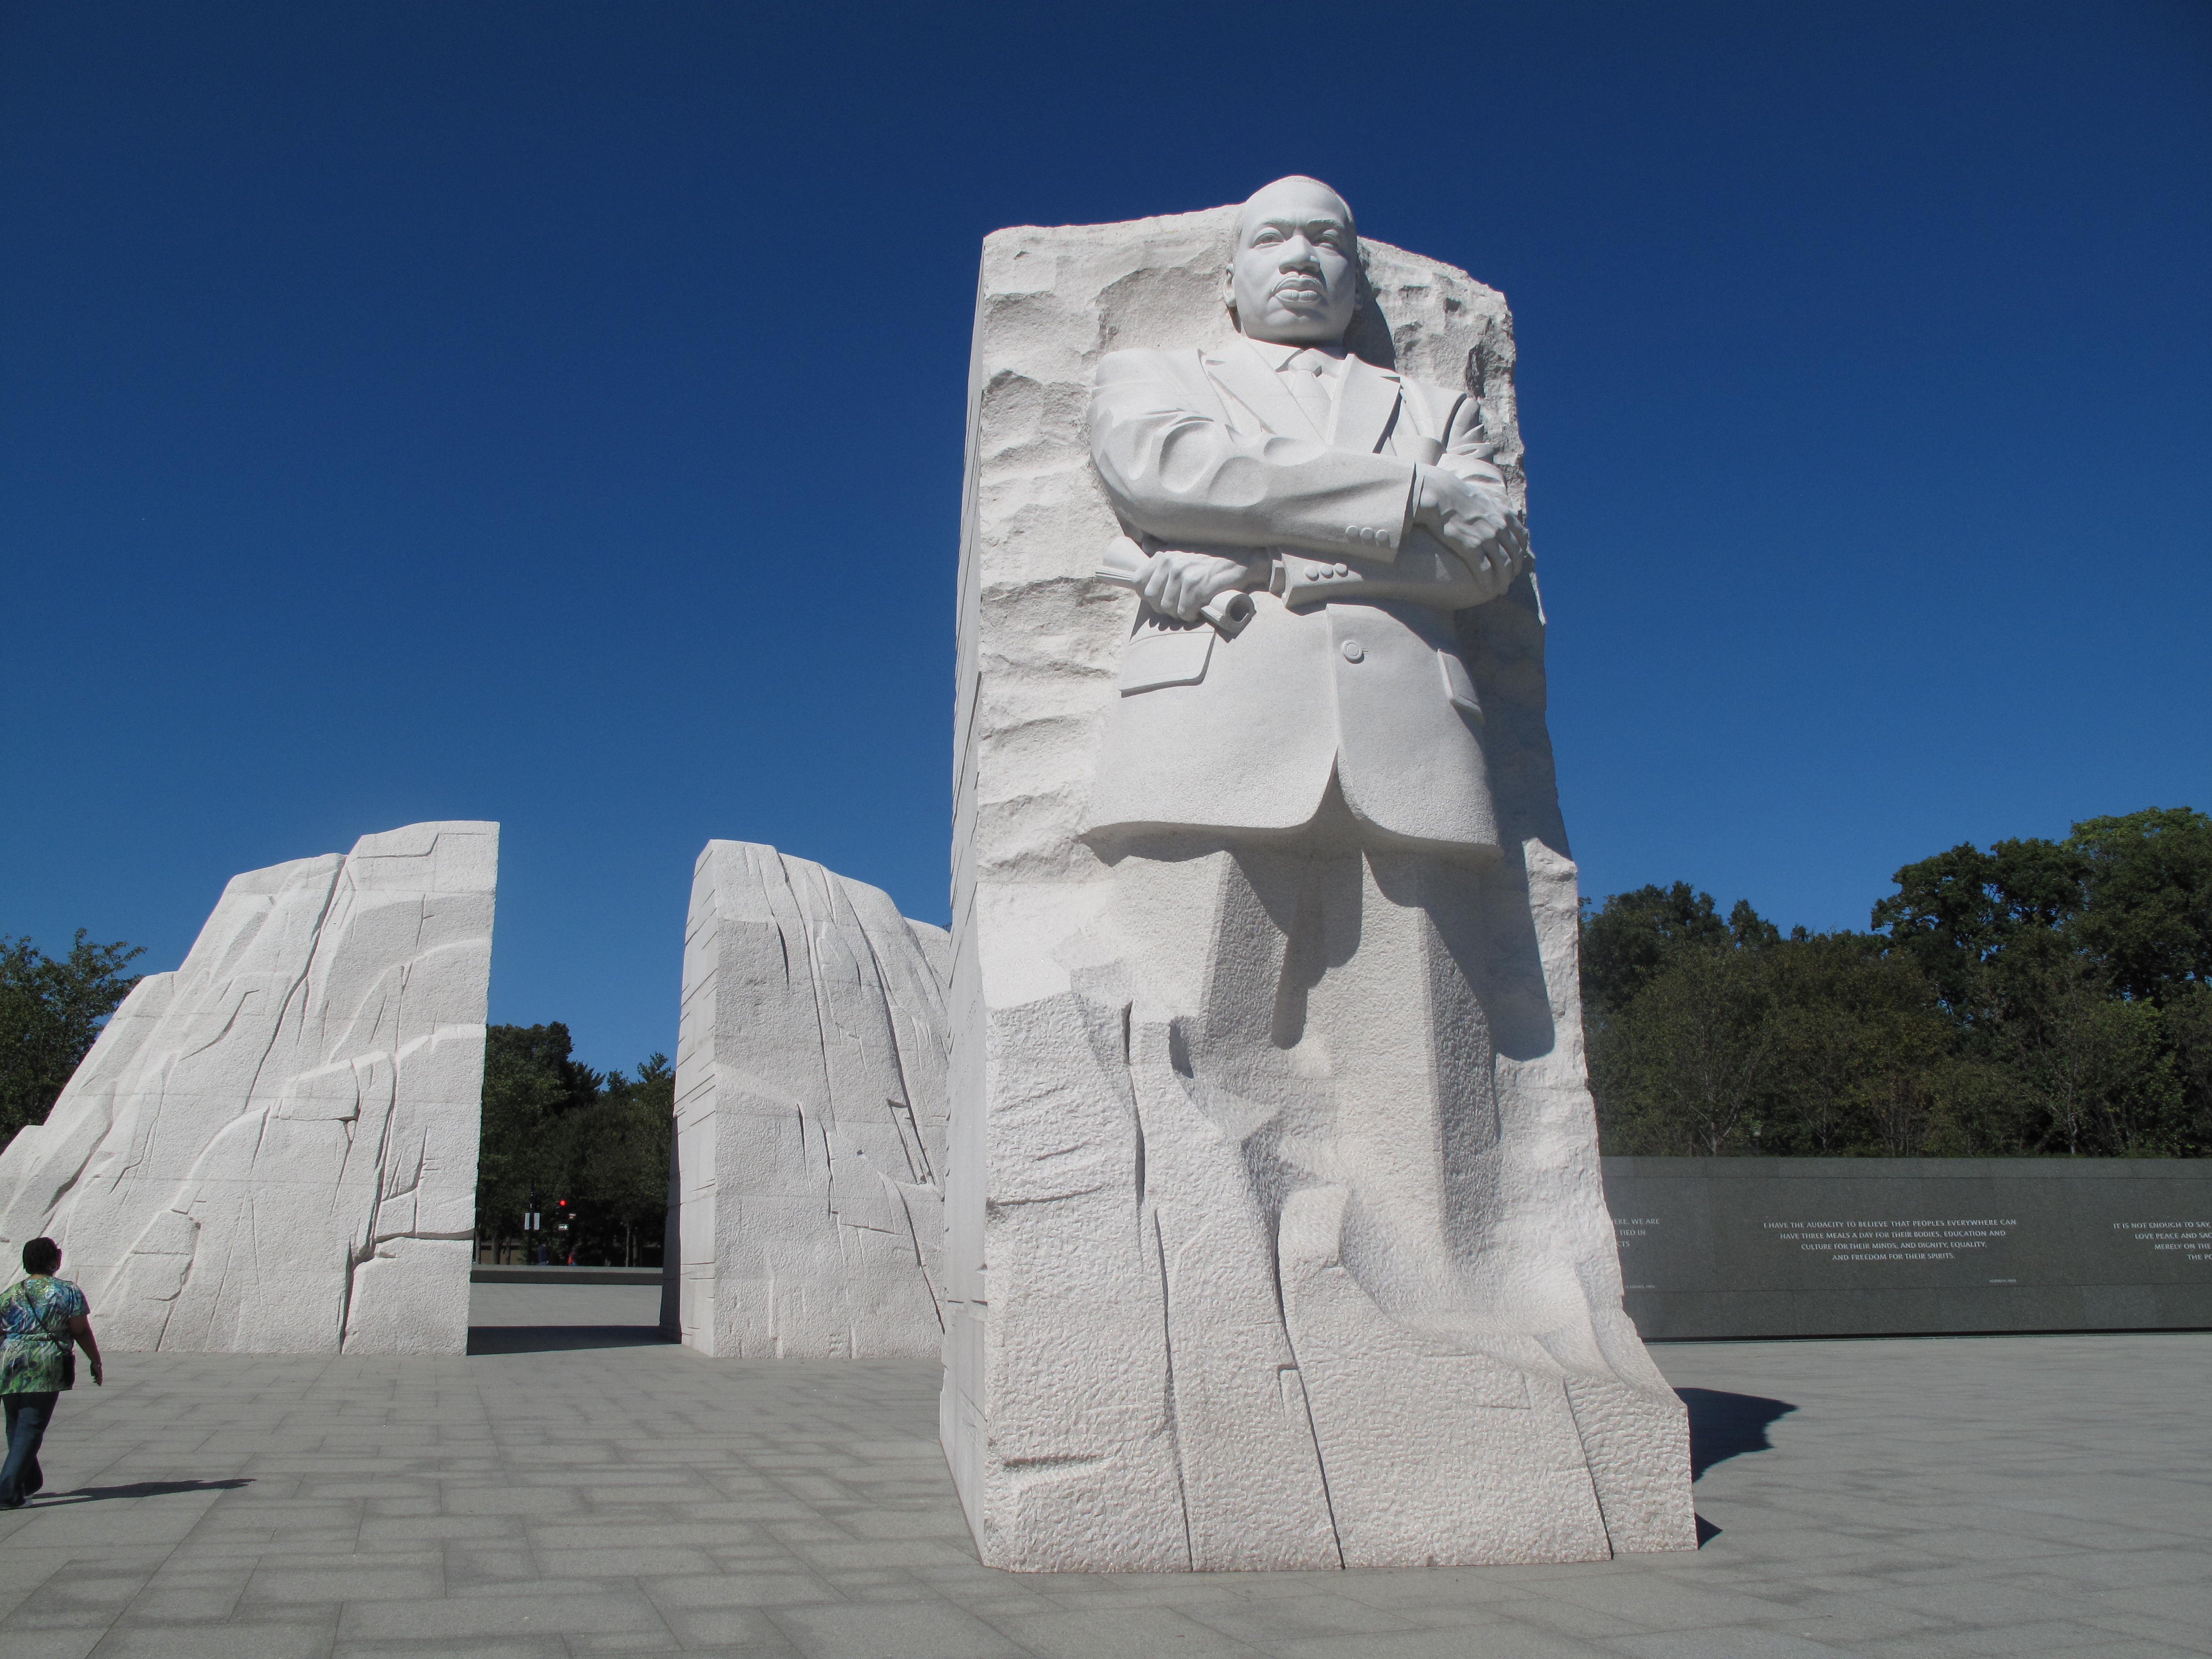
<point>1126,565</point>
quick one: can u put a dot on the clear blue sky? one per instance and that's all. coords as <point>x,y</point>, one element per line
<point>552,412</point>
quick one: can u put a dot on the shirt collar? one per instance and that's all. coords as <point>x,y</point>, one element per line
<point>1277,356</point>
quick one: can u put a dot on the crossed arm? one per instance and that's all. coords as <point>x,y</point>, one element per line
<point>1181,476</point>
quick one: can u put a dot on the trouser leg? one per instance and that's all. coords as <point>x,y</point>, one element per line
<point>1224,941</point>
<point>1331,1014</point>
<point>28,1416</point>
<point>1412,1070</point>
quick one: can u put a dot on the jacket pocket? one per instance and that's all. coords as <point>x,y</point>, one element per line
<point>1171,655</point>
<point>1459,686</point>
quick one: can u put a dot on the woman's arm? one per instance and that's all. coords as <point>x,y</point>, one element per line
<point>81,1329</point>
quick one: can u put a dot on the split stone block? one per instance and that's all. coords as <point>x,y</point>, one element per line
<point>806,1204</point>
<point>273,1149</point>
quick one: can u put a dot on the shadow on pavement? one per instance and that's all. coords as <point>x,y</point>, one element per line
<point>139,1489</point>
<point>558,1339</point>
<point>1725,1425</point>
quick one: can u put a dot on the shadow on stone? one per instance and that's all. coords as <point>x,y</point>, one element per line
<point>1706,1532</point>
<point>1725,1425</point>
<point>141,1489</point>
<point>557,1339</point>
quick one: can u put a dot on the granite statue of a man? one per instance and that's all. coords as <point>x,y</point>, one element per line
<point>1328,962</point>
<point>1303,813</point>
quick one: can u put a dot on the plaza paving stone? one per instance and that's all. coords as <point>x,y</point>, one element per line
<point>576,1487</point>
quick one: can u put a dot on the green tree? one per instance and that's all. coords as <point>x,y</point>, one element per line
<point>1954,915</point>
<point>1857,1033</point>
<point>2187,1017</point>
<point>2095,1064</point>
<point>1685,1066</point>
<point>585,1149</point>
<point>2147,899</point>
<point>1977,1110</point>
<point>1899,1090</point>
<point>51,1010</point>
<point>531,1085</point>
<point>2036,997</point>
<point>621,1162</point>
<point>1635,934</point>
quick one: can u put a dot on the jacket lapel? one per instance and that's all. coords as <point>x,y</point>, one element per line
<point>1366,406</point>
<point>1246,378</point>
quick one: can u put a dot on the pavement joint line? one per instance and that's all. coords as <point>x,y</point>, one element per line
<point>1981,1494</point>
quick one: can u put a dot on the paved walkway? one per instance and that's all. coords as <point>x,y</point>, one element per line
<point>1991,1497</point>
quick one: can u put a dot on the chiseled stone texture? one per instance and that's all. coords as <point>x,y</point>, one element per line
<point>1145,1368</point>
<point>273,1150</point>
<point>810,1115</point>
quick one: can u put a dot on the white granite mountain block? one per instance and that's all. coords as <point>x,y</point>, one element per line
<point>273,1149</point>
<point>1158,1356</point>
<point>810,1115</point>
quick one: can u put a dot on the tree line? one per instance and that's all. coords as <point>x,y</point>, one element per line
<point>2036,997</point>
<point>584,1150</point>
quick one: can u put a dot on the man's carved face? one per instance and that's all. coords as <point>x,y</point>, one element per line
<point>1295,278</point>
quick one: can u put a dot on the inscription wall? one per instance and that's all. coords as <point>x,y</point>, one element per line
<point>1749,1247</point>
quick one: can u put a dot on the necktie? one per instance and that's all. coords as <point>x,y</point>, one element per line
<point>1303,372</point>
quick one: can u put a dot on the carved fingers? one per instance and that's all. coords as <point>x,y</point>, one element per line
<point>1474,522</point>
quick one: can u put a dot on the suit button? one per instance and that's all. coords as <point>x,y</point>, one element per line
<point>1354,650</point>
<point>1344,570</point>
<point>1315,573</point>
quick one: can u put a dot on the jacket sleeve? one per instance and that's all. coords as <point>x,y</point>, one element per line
<point>1184,475</point>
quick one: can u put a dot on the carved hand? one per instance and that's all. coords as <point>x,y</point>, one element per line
<point>1177,584</point>
<point>1474,522</point>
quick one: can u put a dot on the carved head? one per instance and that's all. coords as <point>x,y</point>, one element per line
<point>1294,277</point>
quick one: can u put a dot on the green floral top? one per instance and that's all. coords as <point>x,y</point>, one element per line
<point>35,1313</point>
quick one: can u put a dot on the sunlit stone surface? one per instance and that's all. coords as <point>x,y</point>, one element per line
<point>273,1150</point>
<point>810,1115</point>
<point>1275,1236</point>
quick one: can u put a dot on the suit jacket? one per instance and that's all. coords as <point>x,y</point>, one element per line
<point>1354,669</point>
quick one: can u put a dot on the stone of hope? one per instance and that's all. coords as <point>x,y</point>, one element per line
<point>1274,1230</point>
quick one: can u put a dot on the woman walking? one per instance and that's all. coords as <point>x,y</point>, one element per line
<point>42,1320</point>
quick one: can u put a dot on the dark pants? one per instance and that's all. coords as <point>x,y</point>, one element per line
<point>28,1414</point>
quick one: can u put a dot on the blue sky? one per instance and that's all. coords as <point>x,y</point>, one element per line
<point>552,412</point>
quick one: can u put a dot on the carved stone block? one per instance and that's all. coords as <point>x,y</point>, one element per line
<point>273,1150</point>
<point>1274,1230</point>
<point>810,1117</point>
